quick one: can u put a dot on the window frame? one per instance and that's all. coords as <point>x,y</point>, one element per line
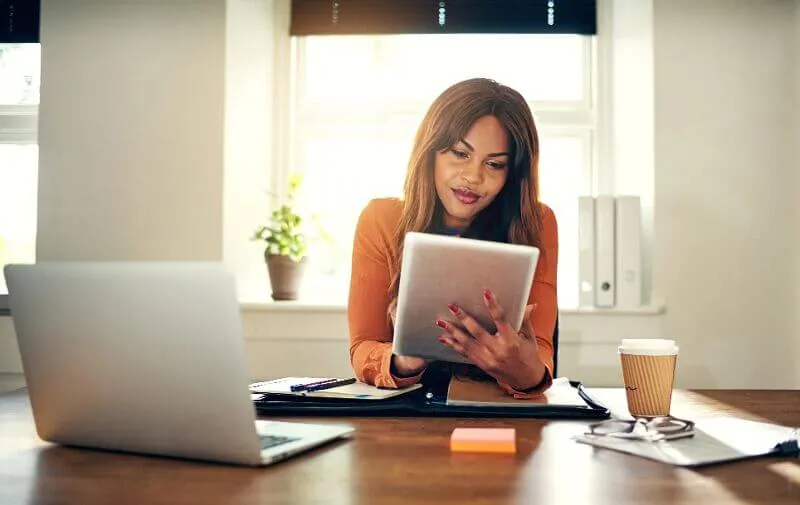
<point>18,125</point>
<point>584,119</point>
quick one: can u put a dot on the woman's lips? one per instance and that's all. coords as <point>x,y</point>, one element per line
<point>466,196</point>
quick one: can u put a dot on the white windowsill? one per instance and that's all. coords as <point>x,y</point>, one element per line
<point>333,306</point>
<point>654,309</point>
<point>293,306</point>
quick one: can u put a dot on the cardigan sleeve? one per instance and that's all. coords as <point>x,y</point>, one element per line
<point>544,296</point>
<point>367,310</point>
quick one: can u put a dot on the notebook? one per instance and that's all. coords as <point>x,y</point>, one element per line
<point>716,440</point>
<point>355,391</point>
<point>464,391</point>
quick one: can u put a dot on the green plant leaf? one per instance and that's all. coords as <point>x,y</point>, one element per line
<point>295,180</point>
<point>284,233</point>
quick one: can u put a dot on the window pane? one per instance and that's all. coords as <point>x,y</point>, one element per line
<point>343,172</point>
<point>561,174</point>
<point>18,187</point>
<point>363,69</point>
<point>19,74</point>
<point>360,99</point>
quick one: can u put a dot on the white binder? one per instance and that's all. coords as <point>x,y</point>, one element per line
<point>586,274</point>
<point>605,281</point>
<point>628,252</point>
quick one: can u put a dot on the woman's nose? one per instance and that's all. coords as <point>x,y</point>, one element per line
<point>473,172</point>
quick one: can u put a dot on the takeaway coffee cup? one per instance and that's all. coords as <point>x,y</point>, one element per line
<point>648,372</point>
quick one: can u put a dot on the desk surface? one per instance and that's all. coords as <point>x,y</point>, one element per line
<point>407,461</point>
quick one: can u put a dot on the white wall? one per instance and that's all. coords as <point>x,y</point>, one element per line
<point>128,174</point>
<point>130,130</point>
<point>796,191</point>
<point>724,220</point>
<point>130,134</point>
<point>629,118</point>
<point>251,88</point>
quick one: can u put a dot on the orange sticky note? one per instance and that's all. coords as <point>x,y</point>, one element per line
<point>501,440</point>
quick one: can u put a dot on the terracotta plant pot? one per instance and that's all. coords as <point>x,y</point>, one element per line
<point>285,276</point>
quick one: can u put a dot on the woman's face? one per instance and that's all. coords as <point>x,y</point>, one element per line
<point>470,174</point>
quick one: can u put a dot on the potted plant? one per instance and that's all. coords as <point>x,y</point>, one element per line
<point>286,246</point>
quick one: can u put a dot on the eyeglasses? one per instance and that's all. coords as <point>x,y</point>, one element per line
<point>649,430</point>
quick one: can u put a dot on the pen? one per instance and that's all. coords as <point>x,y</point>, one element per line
<point>330,384</point>
<point>301,387</point>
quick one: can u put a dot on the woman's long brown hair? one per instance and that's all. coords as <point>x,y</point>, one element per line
<point>515,215</point>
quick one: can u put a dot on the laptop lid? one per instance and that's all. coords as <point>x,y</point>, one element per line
<point>139,357</point>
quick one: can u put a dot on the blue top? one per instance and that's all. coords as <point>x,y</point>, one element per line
<point>450,231</point>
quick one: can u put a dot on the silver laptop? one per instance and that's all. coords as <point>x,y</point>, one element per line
<point>438,270</point>
<point>146,358</point>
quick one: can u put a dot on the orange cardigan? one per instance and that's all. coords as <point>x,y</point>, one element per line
<point>372,269</point>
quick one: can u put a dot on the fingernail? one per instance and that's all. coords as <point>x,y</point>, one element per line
<point>442,340</point>
<point>441,324</point>
<point>487,295</point>
<point>453,308</point>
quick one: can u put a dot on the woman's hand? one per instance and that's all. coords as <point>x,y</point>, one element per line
<point>407,366</point>
<point>508,356</point>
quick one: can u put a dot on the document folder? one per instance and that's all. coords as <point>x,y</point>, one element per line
<point>432,400</point>
<point>586,252</point>
<point>605,250</point>
<point>716,440</point>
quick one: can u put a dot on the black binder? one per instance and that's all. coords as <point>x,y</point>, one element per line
<point>428,401</point>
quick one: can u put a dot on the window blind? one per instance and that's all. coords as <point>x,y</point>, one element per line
<point>19,21</point>
<point>382,17</point>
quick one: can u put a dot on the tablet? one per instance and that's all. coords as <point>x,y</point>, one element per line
<point>438,270</point>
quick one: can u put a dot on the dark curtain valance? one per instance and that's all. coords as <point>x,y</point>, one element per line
<point>372,17</point>
<point>19,21</point>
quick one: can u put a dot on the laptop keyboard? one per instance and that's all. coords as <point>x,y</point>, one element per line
<point>268,441</point>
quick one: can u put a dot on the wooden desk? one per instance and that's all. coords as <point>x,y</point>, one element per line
<point>407,461</point>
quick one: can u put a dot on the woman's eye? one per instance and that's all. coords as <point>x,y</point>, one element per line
<point>497,165</point>
<point>459,154</point>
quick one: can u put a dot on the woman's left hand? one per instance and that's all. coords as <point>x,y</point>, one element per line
<point>508,356</point>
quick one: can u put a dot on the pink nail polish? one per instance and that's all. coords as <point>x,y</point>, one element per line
<point>441,324</point>
<point>487,295</point>
<point>453,308</point>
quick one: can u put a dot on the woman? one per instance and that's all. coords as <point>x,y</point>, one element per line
<point>473,172</point>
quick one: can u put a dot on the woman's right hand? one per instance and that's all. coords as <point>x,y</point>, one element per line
<point>407,366</point>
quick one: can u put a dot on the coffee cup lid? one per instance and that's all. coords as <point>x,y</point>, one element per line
<point>650,346</point>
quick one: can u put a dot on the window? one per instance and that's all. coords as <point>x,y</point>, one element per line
<point>357,101</point>
<point>19,155</point>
